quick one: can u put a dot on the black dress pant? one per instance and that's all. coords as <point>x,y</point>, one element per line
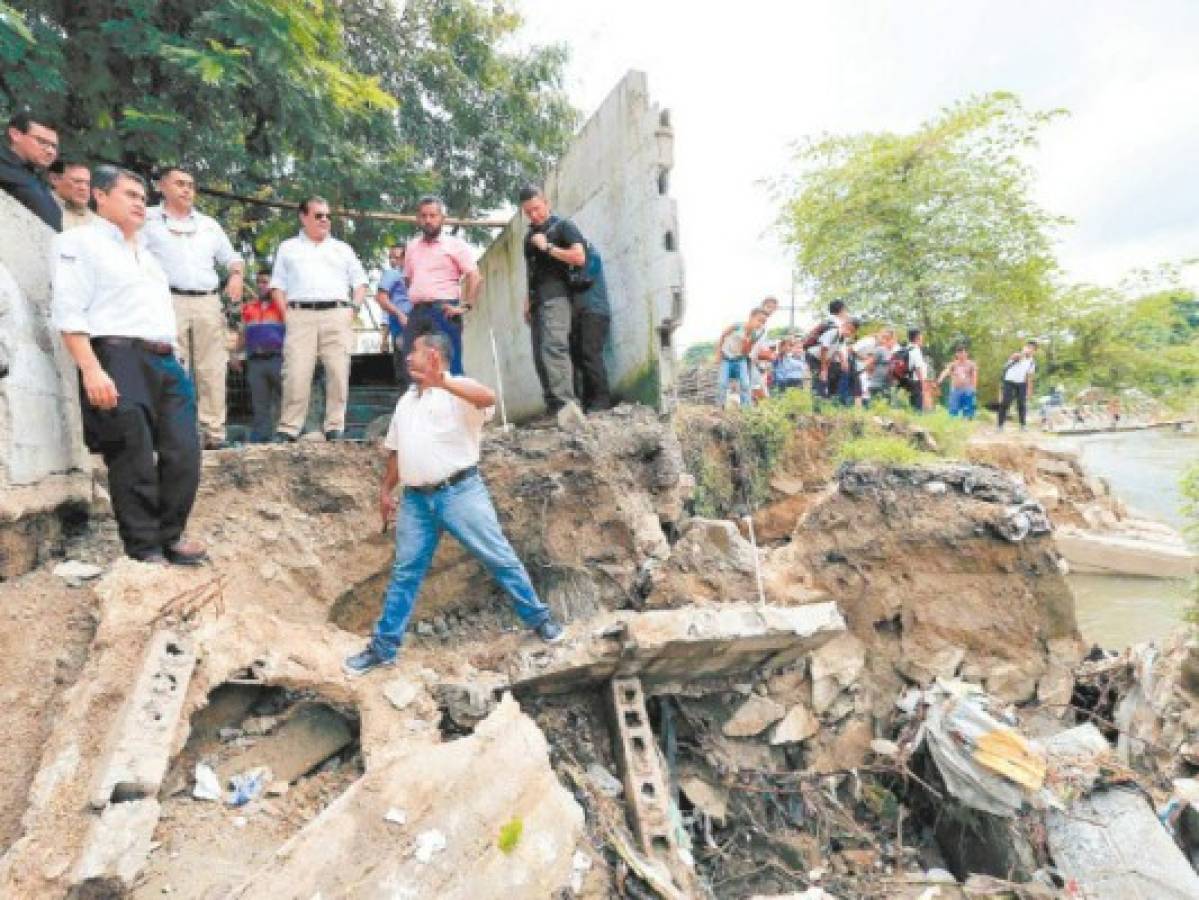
<point>264,377</point>
<point>1019,393</point>
<point>150,442</point>
<point>588,334</point>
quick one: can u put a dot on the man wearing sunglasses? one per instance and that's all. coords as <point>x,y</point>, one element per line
<point>313,274</point>
<point>32,147</point>
<point>190,246</point>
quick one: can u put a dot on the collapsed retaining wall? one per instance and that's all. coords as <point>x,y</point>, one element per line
<point>613,182</point>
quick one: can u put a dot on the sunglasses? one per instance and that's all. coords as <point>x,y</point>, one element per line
<point>323,217</point>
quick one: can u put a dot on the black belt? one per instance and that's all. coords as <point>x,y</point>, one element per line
<point>264,354</point>
<point>317,304</point>
<point>158,348</point>
<point>444,483</point>
<point>184,293</point>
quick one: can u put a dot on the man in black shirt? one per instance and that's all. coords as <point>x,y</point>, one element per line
<point>552,247</point>
<point>32,147</point>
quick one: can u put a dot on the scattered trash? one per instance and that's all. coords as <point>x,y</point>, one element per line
<point>74,569</point>
<point>604,781</point>
<point>208,787</point>
<point>396,816</point>
<point>428,844</point>
<point>579,867</point>
<point>248,786</point>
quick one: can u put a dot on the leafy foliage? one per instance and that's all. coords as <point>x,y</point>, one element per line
<point>281,98</point>
<point>887,449</point>
<point>934,229</point>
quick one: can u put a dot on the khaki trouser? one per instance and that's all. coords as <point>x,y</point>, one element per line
<point>311,334</point>
<point>200,322</point>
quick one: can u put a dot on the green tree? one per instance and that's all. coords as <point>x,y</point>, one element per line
<point>934,229</point>
<point>278,98</point>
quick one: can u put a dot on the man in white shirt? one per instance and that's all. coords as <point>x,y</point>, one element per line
<point>313,275</point>
<point>190,246</point>
<point>433,452</point>
<point>113,307</point>
<point>917,368</point>
<point>1017,384</point>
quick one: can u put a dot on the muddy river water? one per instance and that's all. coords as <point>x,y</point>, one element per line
<point>1144,469</point>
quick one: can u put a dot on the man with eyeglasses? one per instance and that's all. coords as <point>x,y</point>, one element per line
<point>313,274</point>
<point>72,184</point>
<point>32,147</point>
<point>190,246</point>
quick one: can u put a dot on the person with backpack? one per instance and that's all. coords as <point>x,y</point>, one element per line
<point>882,386</point>
<point>909,370</point>
<point>553,247</point>
<point>963,385</point>
<point>590,320</point>
<point>819,343</point>
<point>1017,384</point>
<point>732,355</point>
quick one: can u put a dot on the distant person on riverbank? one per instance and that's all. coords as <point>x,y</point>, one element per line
<point>1017,384</point>
<point>790,367</point>
<point>823,343</point>
<point>909,369</point>
<point>732,355</point>
<point>882,387</point>
<point>962,373</point>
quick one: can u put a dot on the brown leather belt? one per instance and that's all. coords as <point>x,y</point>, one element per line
<point>158,348</point>
<point>444,483</point>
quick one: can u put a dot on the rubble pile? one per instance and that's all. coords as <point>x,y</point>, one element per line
<point>814,713</point>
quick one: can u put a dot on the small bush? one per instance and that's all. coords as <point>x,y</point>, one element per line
<point>881,448</point>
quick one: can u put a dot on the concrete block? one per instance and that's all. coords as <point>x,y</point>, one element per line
<point>116,848</point>
<point>311,734</point>
<point>644,786</point>
<point>686,644</point>
<point>466,791</point>
<point>613,181</point>
<point>141,742</point>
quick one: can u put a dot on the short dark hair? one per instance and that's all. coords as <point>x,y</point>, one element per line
<point>529,192</point>
<point>105,177</point>
<point>957,347</point>
<point>307,202</point>
<point>431,200</point>
<point>438,342</point>
<point>836,307</point>
<point>22,119</point>
<point>60,165</point>
<point>162,171</point>
<point>1031,343</point>
<point>914,333</point>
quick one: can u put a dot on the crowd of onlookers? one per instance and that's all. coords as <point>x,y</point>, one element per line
<point>841,365</point>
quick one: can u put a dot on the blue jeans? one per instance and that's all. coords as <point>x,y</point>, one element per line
<point>961,402</point>
<point>465,511</point>
<point>739,369</point>
<point>431,317</point>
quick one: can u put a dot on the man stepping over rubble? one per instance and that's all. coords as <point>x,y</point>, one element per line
<point>433,446</point>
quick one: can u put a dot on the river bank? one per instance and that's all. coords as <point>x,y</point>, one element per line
<point>1144,470</point>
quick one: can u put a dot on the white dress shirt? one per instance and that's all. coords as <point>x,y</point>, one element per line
<point>307,270</point>
<point>103,286</point>
<point>189,249</point>
<point>435,434</point>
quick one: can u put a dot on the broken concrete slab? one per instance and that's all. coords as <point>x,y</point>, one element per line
<point>1113,846</point>
<point>310,735</point>
<point>1126,553</point>
<point>753,717</point>
<point>352,850</point>
<point>687,644</point>
<point>141,743</point>
<point>835,666</point>
<point>116,849</point>
<point>796,726</point>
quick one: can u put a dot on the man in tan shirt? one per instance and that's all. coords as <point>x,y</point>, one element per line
<point>71,182</point>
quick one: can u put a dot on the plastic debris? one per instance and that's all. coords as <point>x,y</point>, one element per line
<point>73,568</point>
<point>248,786</point>
<point>396,816</point>
<point>208,786</point>
<point>428,844</point>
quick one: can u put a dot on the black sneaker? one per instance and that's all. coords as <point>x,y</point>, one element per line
<point>550,632</point>
<point>361,663</point>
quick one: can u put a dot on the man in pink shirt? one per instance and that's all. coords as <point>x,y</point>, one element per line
<point>443,281</point>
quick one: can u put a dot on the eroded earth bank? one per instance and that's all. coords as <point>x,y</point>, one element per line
<point>887,696</point>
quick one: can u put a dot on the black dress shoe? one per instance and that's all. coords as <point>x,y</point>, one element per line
<point>185,553</point>
<point>333,435</point>
<point>282,437</point>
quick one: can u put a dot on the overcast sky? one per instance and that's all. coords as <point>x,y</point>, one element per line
<point>744,80</point>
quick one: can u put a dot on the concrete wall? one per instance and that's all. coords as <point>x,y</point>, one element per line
<point>43,461</point>
<point>613,182</point>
